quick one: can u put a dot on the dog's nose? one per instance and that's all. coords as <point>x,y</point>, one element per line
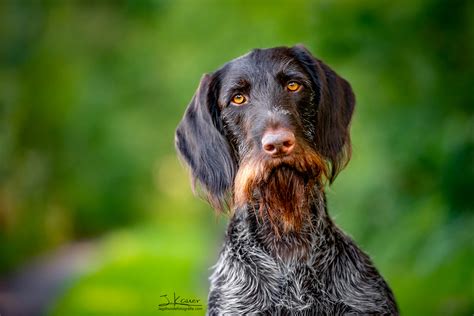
<point>278,142</point>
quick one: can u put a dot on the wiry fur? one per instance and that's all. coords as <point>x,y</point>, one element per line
<point>279,187</point>
<point>318,271</point>
<point>282,255</point>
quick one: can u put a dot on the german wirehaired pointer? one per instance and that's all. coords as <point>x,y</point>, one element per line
<point>262,136</point>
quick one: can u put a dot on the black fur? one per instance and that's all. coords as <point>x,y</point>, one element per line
<point>283,255</point>
<point>200,141</point>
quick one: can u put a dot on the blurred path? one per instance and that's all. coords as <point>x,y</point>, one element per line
<point>32,289</point>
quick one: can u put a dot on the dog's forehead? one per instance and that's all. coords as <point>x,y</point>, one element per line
<point>259,61</point>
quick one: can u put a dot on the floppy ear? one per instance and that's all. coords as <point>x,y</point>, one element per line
<point>335,105</point>
<point>200,141</point>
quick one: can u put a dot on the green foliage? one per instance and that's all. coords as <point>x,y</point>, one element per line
<point>134,268</point>
<point>90,94</point>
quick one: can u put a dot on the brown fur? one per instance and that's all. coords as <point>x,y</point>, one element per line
<point>280,188</point>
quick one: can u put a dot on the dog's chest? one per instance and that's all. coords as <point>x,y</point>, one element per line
<point>252,269</point>
<point>297,288</point>
<point>259,279</point>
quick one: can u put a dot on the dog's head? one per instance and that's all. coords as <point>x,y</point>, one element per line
<point>267,127</point>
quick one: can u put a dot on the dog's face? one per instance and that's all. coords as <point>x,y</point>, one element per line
<point>266,128</point>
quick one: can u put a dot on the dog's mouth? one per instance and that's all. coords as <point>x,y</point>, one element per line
<point>304,162</point>
<point>279,187</point>
<point>290,167</point>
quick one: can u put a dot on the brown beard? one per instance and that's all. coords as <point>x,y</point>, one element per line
<point>280,188</point>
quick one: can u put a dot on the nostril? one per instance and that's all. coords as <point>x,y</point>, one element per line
<point>288,143</point>
<point>269,147</point>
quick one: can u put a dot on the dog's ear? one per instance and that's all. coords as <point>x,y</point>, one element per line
<point>201,143</point>
<point>335,105</point>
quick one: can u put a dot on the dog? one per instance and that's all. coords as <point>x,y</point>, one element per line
<point>262,137</point>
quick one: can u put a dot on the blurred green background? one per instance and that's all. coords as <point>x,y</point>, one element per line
<point>90,94</point>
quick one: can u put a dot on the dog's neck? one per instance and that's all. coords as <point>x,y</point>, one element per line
<point>290,246</point>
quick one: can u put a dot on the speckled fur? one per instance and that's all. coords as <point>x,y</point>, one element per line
<point>326,274</point>
<point>282,254</point>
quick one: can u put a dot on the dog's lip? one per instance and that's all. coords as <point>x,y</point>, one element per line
<point>305,175</point>
<point>285,165</point>
<point>282,159</point>
<point>290,162</point>
<point>279,156</point>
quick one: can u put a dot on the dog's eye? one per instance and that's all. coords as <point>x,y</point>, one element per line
<point>238,99</point>
<point>293,86</point>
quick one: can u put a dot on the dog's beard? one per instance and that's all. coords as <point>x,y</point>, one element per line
<point>284,199</point>
<point>279,189</point>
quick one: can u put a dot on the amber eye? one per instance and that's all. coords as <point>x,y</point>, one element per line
<point>293,86</point>
<point>238,99</point>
